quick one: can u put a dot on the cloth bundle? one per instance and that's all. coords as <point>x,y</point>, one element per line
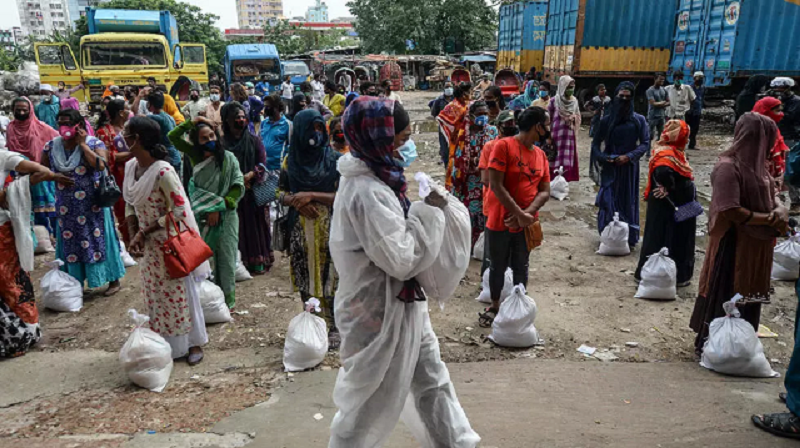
<point>614,239</point>
<point>146,357</point>
<point>61,291</point>
<point>127,259</point>
<point>733,347</point>
<point>43,242</point>
<point>513,325</point>
<point>306,340</point>
<point>486,293</point>
<point>559,187</point>
<point>478,250</point>
<point>786,260</point>
<point>659,277</point>
<point>242,274</point>
<point>212,299</point>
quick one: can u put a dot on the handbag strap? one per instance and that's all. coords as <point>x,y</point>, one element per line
<point>171,220</point>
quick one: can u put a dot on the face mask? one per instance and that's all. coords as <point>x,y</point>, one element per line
<point>47,98</point>
<point>317,139</point>
<point>510,131</point>
<point>787,94</point>
<point>776,116</point>
<point>338,137</point>
<point>21,116</point>
<point>569,92</point>
<point>268,111</point>
<point>545,136</point>
<point>67,132</point>
<point>491,104</point>
<point>678,83</point>
<point>544,94</point>
<point>307,94</point>
<point>214,97</point>
<point>240,124</point>
<point>250,91</point>
<point>481,120</point>
<point>448,91</point>
<point>210,146</point>
<point>195,97</point>
<point>408,154</point>
<point>60,88</point>
<point>121,144</point>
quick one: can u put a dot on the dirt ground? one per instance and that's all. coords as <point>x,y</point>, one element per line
<point>582,298</point>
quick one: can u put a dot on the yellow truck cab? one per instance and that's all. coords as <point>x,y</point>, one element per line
<point>122,58</point>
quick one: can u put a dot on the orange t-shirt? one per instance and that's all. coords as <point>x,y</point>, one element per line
<point>524,170</point>
<point>483,164</point>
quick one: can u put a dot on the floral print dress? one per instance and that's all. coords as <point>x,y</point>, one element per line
<point>166,297</point>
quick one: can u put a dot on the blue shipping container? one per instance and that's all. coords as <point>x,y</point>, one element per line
<point>629,23</point>
<point>133,21</point>
<point>250,62</point>
<point>729,39</point>
<point>521,35</point>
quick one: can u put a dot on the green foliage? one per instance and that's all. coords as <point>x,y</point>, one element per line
<point>194,26</point>
<point>385,25</point>
<point>290,39</point>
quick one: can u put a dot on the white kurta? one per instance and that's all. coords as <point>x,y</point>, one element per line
<point>389,352</point>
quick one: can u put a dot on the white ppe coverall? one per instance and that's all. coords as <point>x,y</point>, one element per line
<point>389,352</point>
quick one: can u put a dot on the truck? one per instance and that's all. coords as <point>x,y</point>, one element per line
<point>523,27</point>
<point>730,40</point>
<point>251,62</point>
<point>608,41</point>
<point>298,70</point>
<point>123,47</point>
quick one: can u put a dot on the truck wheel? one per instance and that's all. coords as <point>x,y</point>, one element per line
<point>584,95</point>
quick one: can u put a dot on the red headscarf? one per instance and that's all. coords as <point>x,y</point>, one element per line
<point>777,155</point>
<point>670,152</point>
<point>28,137</point>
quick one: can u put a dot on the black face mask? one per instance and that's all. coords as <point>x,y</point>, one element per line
<point>239,124</point>
<point>21,116</point>
<point>510,131</point>
<point>338,137</point>
<point>268,111</point>
<point>545,136</point>
<point>195,97</point>
<point>491,104</point>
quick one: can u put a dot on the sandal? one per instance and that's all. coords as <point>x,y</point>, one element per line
<point>486,318</point>
<point>112,289</point>
<point>782,425</point>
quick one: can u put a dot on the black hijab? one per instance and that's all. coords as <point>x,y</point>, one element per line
<point>311,168</point>
<point>620,111</point>
<point>294,106</point>
<point>245,147</point>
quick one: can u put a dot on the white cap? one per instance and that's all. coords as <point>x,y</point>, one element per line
<point>699,75</point>
<point>46,87</point>
<point>782,82</point>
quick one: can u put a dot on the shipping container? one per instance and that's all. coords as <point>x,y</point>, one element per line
<point>609,38</point>
<point>521,36</point>
<point>730,40</point>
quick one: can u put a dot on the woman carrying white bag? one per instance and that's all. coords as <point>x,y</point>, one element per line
<point>380,243</point>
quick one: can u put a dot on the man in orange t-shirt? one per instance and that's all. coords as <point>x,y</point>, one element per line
<point>507,126</point>
<point>519,179</point>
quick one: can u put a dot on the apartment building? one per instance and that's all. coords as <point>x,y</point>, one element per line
<point>40,18</point>
<point>255,14</point>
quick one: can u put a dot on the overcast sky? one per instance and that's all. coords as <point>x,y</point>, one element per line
<point>225,9</point>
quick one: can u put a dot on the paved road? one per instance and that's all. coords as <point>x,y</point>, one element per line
<point>553,404</point>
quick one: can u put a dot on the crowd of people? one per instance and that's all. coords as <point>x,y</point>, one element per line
<point>330,162</point>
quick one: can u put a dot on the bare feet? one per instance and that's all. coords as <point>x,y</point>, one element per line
<point>113,288</point>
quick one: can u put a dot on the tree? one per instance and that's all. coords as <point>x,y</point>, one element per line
<point>283,35</point>
<point>389,25</point>
<point>194,26</point>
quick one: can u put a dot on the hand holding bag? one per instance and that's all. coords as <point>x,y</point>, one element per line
<point>108,193</point>
<point>280,231</point>
<point>266,192</point>
<point>183,252</point>
<point>689,210</point>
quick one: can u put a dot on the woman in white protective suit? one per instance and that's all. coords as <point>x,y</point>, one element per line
<point>379,242</point>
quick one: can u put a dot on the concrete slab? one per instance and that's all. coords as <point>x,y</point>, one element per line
<point>552,404</point>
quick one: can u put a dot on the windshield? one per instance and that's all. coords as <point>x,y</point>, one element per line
<point>249,70</point>
<point>125,53</point>
<point>295,69</point>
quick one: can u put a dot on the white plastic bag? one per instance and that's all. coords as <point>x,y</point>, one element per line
<point>559,187</point>
<point>242,275</point>
<point>212,299</point>
<point>478,250</point>
<point>733,347</point>
<point>43,242</point>
<point>786,260</point>
<point>442,278</point>
<point>508,287</point>
<point>61,291</point>
<point>146,357</point>
<point>614,239</point>
<point>127,259</point>
<point>306,340</point>
<point>659,277</point>
<point>513,325</point>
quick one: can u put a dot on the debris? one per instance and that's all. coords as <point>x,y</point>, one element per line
<point>194,377</point>
<point>782,344</point>
<point>765,332</point>
<point>632,344</point>
<point>586,350</point>
<point>625,330</point>
<point>318,416</point>
<point>241,312</point>
<point>290,374</point>
<point>606,356</point>
<point>258,305</point>
<point>626,401</point>
<point>469,328</point>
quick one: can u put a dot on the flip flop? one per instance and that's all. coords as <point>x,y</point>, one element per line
<point>782,425</point>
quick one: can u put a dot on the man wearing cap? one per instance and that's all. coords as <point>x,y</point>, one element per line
<point>696,111</point>
<point>48,107</point>
<point>680,98</point>
<point>115,93</point>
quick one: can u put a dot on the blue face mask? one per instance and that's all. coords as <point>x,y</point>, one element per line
<point>481,120</point>
<point>210,146</point>
<point>317,139</point>
<point>408,152</point>
<point>544,94</point>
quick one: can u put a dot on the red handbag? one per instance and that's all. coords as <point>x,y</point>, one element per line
<point>184,252</point>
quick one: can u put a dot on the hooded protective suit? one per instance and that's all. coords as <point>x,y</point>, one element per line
<point>391,363</point>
